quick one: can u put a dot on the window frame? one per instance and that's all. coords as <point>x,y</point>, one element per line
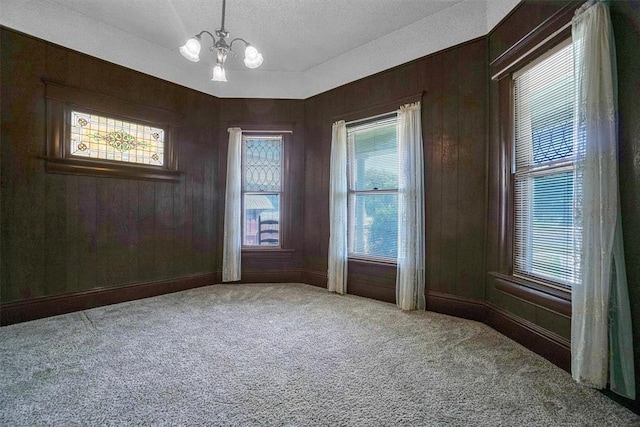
<point>352,193</point>
<point>535,43</point>
<point>551,168</point>
<point>62,100</point>
<point>249,134</point>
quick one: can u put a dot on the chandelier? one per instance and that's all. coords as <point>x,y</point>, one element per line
<point>220,48</point>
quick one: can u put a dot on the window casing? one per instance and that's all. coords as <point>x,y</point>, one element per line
<point>546,184</point>
<point>262,190</point>
<point>94,134</point>
<point>372,164</point>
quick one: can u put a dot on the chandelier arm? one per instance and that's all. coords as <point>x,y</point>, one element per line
<point>206,32</point>
<point>242,40</point>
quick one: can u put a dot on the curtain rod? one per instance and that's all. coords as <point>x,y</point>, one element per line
<point>372,118</point>
<point>505,70</point>
<point>382,108</point>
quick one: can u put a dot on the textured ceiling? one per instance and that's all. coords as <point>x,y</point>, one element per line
<point>309,46</point>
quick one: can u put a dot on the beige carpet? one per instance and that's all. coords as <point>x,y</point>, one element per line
<point>280,355</point>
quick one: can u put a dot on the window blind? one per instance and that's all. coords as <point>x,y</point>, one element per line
<point>546,184</point>
<point>373,187</point>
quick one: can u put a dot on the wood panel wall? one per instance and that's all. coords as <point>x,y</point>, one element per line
<point>626,23</point>
<point>626,26</point>
<point>453,126</point>
<point>263,114</point>
<point>63,234</point>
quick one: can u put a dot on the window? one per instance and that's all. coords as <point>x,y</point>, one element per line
<point>94,134</point>
<point>262,189</point>
<point>372,164</point>
<point>546,183</point>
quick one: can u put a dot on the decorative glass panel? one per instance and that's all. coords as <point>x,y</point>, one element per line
<point>262,186</point>
<point>262,165</point>
<point>104,138</point>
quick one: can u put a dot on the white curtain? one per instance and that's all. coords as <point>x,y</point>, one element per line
<point>411,237</point>
<point>601,339</point>
<point>232,246</point>
<point>337,272</point>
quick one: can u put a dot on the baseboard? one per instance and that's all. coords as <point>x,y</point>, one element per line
<point>271,276</point>
<point>454,305</point>
<point>37,308</point>
<point>547,344</point>
<point>315,278</point>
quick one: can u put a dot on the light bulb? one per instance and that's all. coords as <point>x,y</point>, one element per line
<point>219,74</point>
<point>253,62</point>
<point>191,49</point>
<point>251,52</point>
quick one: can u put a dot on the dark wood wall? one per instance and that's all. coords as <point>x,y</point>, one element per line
<point>453,126</point>
<point>64,234</point>
<point>271,114</point>
<point>626,22</point>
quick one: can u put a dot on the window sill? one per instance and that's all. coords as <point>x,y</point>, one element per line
<point>106,169</point>
<point>547,297</point>
<point>267,253</point>
<point>374,261</point>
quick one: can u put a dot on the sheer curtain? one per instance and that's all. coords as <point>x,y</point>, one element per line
<point>601,340</point>
<point>411,238</point>
<point>337,272</point>
<point>232,245</point>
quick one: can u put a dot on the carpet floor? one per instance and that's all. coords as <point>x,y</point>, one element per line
<point>281,355</point>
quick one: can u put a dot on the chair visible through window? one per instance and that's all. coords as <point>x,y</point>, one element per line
<point>268,228</point>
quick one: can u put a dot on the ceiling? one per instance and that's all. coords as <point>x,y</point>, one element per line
<point>309,46</point>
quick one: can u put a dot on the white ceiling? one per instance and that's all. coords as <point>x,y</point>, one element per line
<point>309,46</point>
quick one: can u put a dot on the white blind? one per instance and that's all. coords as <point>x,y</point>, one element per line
<point>546,231</point>
<point>373,186</point>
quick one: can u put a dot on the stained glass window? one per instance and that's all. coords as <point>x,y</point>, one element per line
<point>262,188</point>
<point>98,137</point>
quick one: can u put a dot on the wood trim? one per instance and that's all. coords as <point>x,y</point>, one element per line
<point>273,276</point>
<point>552,299</point>
<point>275,127</point>
<point>506,118</point>
<point>386,107</point>
<point>61,100</point>
<point>535,42</point>
<point>315,278</point>
<point>105,169</point>
<point>110,104</point>
<point>267,254</point>
<point>547,344</point>
<point>454,305</point>
<point>37,308</point>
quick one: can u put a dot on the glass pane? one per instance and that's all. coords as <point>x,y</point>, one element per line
<point>261,220</point>
<point>374,156</point>
<point>374,225</point>
<point>545,234</point>
<point>544,117</point>
<point>262,164</point>
<point>99,137</point>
